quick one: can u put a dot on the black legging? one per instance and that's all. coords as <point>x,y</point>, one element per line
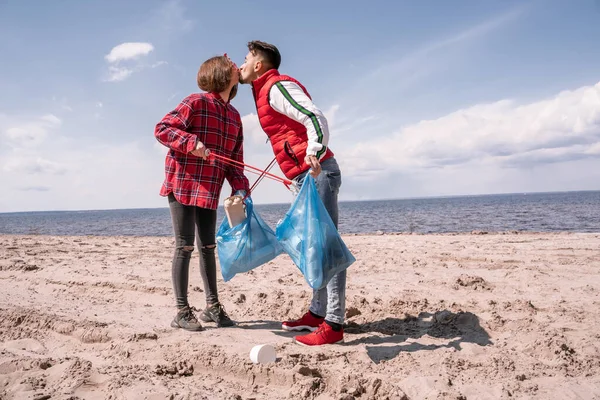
<point>185,220</point>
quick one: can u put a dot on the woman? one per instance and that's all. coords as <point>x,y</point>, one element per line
<point>200,124</point>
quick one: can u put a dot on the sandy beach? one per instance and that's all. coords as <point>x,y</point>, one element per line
<point>465,316</point>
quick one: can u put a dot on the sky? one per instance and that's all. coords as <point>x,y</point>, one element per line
<point>433,98</point>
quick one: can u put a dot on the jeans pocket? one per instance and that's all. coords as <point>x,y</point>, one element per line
<point>335,180</point>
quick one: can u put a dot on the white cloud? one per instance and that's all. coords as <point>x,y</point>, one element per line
<point>62,103</point>
<point>478,30</point>
<point>399,69</point>
<point>563,128</point>
<point>160,148</point>
<point>32,134</point>
<point>33,159</point>
<point>117,74</point>
<point>98,111</point>
<point>128,51</point>
<point>330,115</point>
<point>252,129</point>
<point>28,132</point>
<point>551,144</point>
<point>52,119</point>
<point>171,19</point>
<point>593,150</point>
<point>82,176</point>
<point>34,189</point>
<point>33,165</point>
<point>413,61</point>
<point>158,64</point>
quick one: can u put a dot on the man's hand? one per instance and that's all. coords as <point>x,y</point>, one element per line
<point>200,151</point>
<point>315,165</point>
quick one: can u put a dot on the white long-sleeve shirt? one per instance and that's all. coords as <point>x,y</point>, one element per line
<point>289,99</point>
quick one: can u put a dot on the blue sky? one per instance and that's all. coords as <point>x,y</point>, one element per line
<point>424,98</point>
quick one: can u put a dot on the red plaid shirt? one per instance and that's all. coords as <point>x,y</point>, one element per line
<point>203,117</point>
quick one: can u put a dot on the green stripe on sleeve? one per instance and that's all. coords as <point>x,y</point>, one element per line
<point>321,152</point>
<point>304,111</point>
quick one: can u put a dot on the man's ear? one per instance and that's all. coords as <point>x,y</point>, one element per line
<point>258,66</point>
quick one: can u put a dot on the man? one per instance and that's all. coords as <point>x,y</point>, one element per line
<point>299,135</point>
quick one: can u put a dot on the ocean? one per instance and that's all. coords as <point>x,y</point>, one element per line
<point>539,212</point>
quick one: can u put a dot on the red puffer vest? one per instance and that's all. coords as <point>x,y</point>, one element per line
<point>288,137</point>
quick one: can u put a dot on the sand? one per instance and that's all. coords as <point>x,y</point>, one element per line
<point>466,316</point>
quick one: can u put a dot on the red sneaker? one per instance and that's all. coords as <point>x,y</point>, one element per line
<point>306,323</point>
<point>324,335</point>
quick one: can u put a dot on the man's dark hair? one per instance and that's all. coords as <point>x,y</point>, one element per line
<point>267,51</point>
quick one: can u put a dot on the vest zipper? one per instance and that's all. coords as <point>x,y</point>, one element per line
<point>290,152</point>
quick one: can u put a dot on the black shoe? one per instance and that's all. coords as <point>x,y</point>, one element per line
<point>216,313</point>
<point>185,319</point>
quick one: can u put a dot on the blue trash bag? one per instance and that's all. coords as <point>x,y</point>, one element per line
<point>308,235</point>
<point>247,245</point>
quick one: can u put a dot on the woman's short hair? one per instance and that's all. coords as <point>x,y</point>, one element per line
<point>214,75</point>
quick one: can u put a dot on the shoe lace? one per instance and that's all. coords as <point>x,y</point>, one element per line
<point>222,312</point>
<point>320,330</point>
<point>189,315</point>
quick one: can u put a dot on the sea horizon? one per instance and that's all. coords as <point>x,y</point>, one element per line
<point>340,201</point>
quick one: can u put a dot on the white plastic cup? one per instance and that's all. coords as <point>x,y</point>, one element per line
<point>262,354</point>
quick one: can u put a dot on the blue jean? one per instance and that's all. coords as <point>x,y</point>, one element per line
<point>330,301</point>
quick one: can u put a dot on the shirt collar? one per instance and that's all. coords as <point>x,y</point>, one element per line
<point>217,96</point>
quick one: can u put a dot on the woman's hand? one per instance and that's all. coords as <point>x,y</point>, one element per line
<point>200,151</point>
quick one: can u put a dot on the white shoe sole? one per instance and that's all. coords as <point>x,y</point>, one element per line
<point>298,328</point>
<point>307,345</point>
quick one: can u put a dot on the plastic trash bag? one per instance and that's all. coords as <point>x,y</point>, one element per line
<point>309,236</point>
<point>247,245</point>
